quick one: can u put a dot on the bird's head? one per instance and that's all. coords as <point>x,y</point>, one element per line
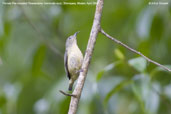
<point>71,40</point>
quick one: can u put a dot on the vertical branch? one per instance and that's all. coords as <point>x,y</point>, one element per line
<point>90,47</point>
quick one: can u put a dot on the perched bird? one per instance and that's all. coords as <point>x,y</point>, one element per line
<point>72,59</point>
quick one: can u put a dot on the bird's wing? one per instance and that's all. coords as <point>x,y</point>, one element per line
<point>66,64</point>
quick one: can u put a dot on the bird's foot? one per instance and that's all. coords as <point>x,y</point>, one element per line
<point>81,70</point>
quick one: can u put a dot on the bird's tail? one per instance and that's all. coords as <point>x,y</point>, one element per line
<point>70,85</point>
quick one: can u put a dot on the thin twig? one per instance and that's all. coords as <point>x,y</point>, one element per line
<point>90,47</point>
<point>67,94</point>
<point>133,50</point>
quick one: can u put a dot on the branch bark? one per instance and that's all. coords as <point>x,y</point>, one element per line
<point>90,47</point>
<point>133,50</point>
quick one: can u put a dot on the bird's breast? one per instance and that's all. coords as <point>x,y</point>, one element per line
<point>75,59</point>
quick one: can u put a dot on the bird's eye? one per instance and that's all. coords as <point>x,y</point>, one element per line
<point>70,37</point>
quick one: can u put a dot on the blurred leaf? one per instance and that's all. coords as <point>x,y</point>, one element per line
<point>95,106</point>
<point>110,66</point>
<point>119,54</point>
<point>38,59</point>
<point>7,27</point>
<point>1,21</point>
<point>138,63</point>
<point>64,106</point>
<point>138,95</point>
<point>5,37</point>
<point>170,7</point>
<point>157,27</point>
<point>99,75</point>
<point>2,100</point>
<point>141,89</point>
<point>144,21</point>
<point>107,68</point>
<point>115,89</point>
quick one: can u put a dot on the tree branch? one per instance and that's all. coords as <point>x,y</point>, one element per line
<point>90,47</point>
<point>87,58</point>
<point>133,50</point>
<point>67,94</point>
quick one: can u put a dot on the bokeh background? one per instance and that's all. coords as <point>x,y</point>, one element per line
<point>32,45</point>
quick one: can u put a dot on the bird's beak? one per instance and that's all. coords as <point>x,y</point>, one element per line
<point>76,33</point>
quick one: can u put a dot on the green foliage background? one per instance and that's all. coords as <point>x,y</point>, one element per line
<point>32,44</point>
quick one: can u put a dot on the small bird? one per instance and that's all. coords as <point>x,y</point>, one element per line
<point>72,59</point>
